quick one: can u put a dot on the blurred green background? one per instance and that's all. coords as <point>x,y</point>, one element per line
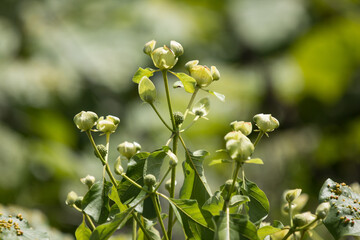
<point>296,59</point>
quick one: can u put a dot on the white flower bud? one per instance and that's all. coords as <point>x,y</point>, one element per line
<point>71,198</point>
<point>244,127</point>
<point>266,122</point>
<point>117,167</point>
<point>202,74</point>
<point>128,149</point>
<point>149,47</point>
<point>88,180</point>
<point>149,180</point>
<point>191,64</point>
<point>164,58</point>
<point>108,124</point>
<point>176,48</point>
<point>85,120</point>
<point>241,149</point>
<point>302,219</point>
<point>215,73</point>
<point>322,210</point>
<point>235,135</point>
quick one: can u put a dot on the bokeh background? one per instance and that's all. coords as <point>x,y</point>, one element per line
<point>296,59</point>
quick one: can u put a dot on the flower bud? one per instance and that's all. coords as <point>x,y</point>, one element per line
<point>302,219</point>
<point>147,90</point>
<point>235,135</point>
<point>71,198</point>
<point>215,73</point>
<point>176,48</point>
<point>266,122</point>
<point>88,180</point>
<point>149,47</point>
<point>173,159</point>
<point>189,65</point>
<point>102,150</point>
<point>164,58</point>
<point>291,195</point>
<point>149,180</point>
<point>118,169</point>
<point>244,127</point>
<point>241,149</point>
<point>108,124</point>
<point>78,201</point>
<point>128,149</point>
<point>229,183</point>
<point>168,185</point>
<point>202,75</point>
<point>179,118</point>
<point>85,120</point>
<point>322,210</point>
<point>285,208</point>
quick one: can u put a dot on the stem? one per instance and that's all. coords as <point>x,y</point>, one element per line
<point>192,123</point>
<point>107,168</point>
<point>157,209</point>
<point>107,153</point>
<point>290,215</point>
<point>162,120</point>
<point>172,188</point>
<point>134,183</point>
<point>235,174</point>
<point>166,83</point>
<point>92,225</point>
<point>293,230</point>
<point>169,140</point>
<point>141,226</point>
<point>191,102</point>
<point>134,227</point>
<point>260,135</point>
<point>162,180</point>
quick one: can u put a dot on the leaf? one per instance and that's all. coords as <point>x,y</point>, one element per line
<point>154,162</point>
<point>238,199</point>
<point>259,204</point>
<point>219,161</point>
<point>220,96</point>
<point>96,201</point>
<point>214,204</point>
<point>195,185</point>
<point>147,90</point>
<point>140,73</point>
<point>126,190</point>
<point>234,227</point>
<point>150,229</point>
<point>188,82</point>
<point>266,231</point>
<point>345,206</point>
<point>115,197</point>
<point>82,232</point>
<point>254,161</point>
<point>104,231</point>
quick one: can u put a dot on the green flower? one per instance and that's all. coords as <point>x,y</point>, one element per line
<point>164,58</point>
<point>202,74</point>
<point>108,124</point>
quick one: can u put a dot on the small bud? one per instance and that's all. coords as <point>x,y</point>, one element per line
<point>291,195</point>
<point>71,198</point>
<point>179,118</point>
<point>202,75</point>
<point>168,185</point>
<point>164,58</point>
<point>241,149</point>
<point>286,207</point>
<point>229,183</point>
<point>102,150</point>
<point>147,90</point>
<point>173,159</point>
<point>244,127</point>
<point>118,169</point>
<point>266,122</point>
<point>149,180</point>
<point>322,210</point>
<point>78,201</point>
<point>189,65</point>
<point>85,120</point>
<point>302,219</point>
<point>215,73</point>
<point>88,180</point>
<point>176,48</point>
<point>128,149</point>
<point>108,124</point>
<point>235,135</point>
<point>149,47</point>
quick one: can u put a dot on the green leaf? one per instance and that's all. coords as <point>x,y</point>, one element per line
<point>188,82</point>
<point>342,207</point>
<point>140,73</point>
<point>154,162</point>
<point>127,191</point>
<point>220,96</point>
<point>266,231</point>
<point>259,204</point>
<point>82,232</point>
<point>147,90</point>
<point>214,204</point>
<point>254,161</point>
<point>115,197</point>
<point>104,231</point>
<point>96,201</point>
<point>238,199</point>
<point>195,185</point>
<point>234,227</point>
<point>150,229</point>
<point>219,161</point>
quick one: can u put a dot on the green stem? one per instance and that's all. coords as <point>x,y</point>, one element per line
<point>141,225</point>
<point>191,102</point>
<point>92,225</point>
<point>134,227</point>
<point>290,214</point>
<point>172,187</point>
<point>107,167</point>
<point>107,154</point>
<point>157,209</point>
<point>190,125</point>
<point>169,140</point>
<point>228,196</point>
<point>162,120</point>
<point>134,183</point>
<point>260,135</point>
<point>168,99</point>
<point>293,229</point>
<point>163,179</point>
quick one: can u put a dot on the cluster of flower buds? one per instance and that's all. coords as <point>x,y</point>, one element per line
<point>202,74</point>
<point>86,120</point>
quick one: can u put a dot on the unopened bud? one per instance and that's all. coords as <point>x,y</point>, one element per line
<point>85,120</point>
<point>215,73</point>
<point>179,118</point>
<point>241,149</point>
<point>88,180</point>
<point>78,201</point>
<point>164,58</point>
<point>244,127</point>
<point>118,169</point>
<point>266,122</point>
<point>147,90</point>
<point>71,198</point>
<point>235,135</point>
<point>168,185</point>
<point>173,159</point>
<point>128,149</point>
<point>149,180</point>
<point>291,195</point>
<point>149,47</point>
<point>302,219</point>
<point>229,183</point>
<point>189,65</point>
<point>102,150</point>
<point>108,124</point>
<point>176,48</point>
<point>322,210</point>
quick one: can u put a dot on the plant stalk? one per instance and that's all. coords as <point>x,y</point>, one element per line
<point>158,114</point>
<point>157,209</point>
<point>228,196</point>
<point>191,102</point>
<point>172,188</point>
<point>260,135</point>
<point>168,99</point>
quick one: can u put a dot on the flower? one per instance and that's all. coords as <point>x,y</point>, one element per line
<point>240,149</point>
<point>244,127</point>
<point>108,124</point>
<point>128,149</point>
<point>202,74</point>
<point>85,120</point>
<point>266,122</point>
<point>164,58</point>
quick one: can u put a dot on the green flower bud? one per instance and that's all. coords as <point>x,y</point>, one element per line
<point>88,180</point>
<point>176,48</point>
<point>78,201</point>
<point>173,159</point>
<point>244,127</point>
<point>108,124</point>
<point>179,118</point>
<point>302,219</point>
<point>235,135</point>
<point>128,149</point>
<point>71,198</point>
<point>164,58</point>
<point>117,167</point>
<point>147,90</point>
<point>202,75</point>
<point>229,183</point>
<point>102,150</point>
<point>215,73</point>
<point>266,122</point>
<point>291,195</point>
<point>189,65</point>
<point>149,180</point>
<point>85,120</point>
<point>149,47</point>
<point>322,210</point>
<point>285,208</point>
<point>168,185</point>
<point>241,149</point>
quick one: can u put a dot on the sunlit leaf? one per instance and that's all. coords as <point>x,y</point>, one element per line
<point>82,232</point>
<point>254,161</point>
<point>140,73</point>
<point>188,82</point>
<point>266,231</point>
